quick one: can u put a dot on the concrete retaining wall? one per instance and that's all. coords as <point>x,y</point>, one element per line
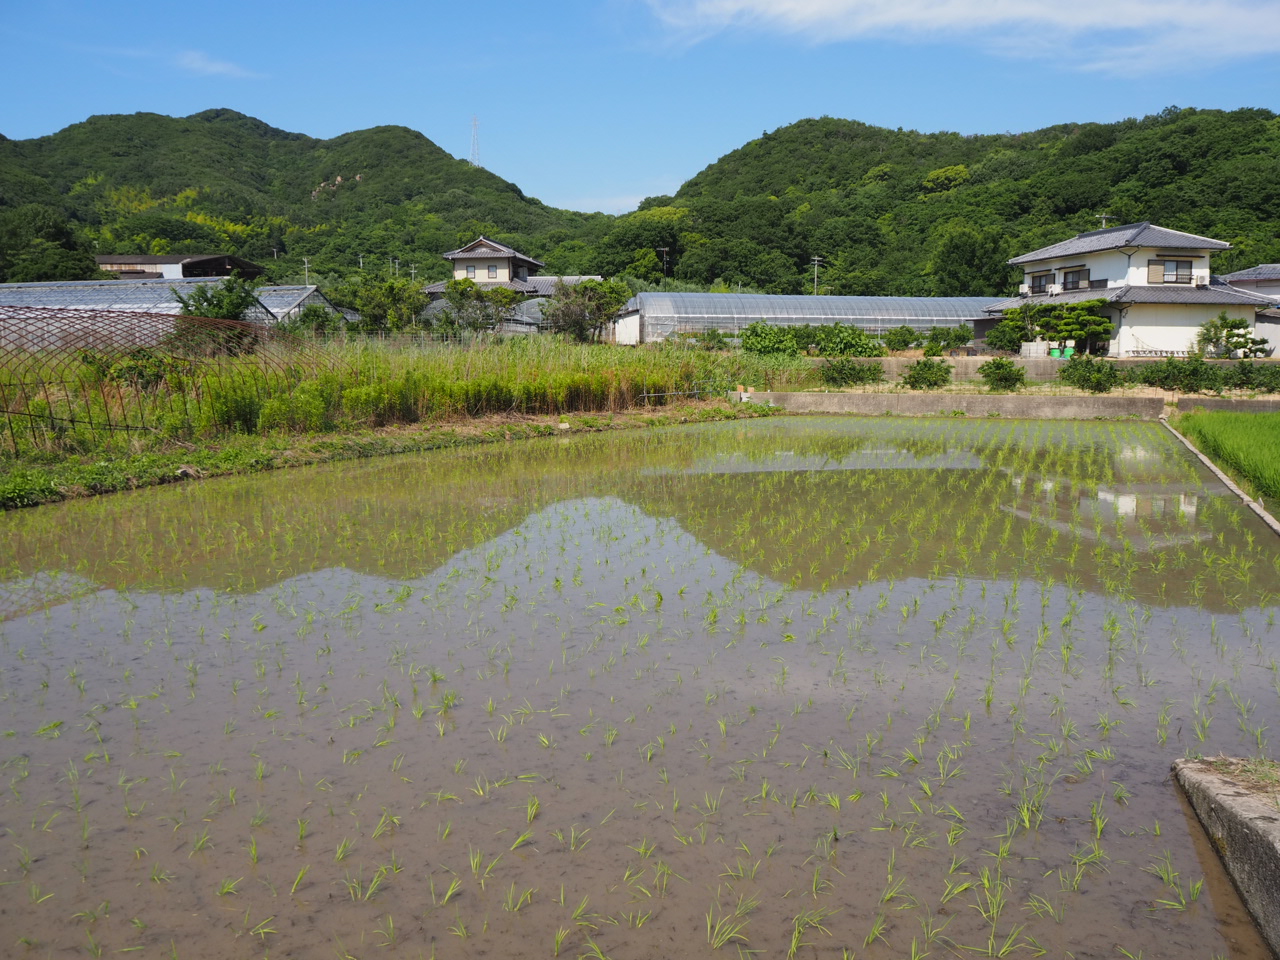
<point>1244,827</point>
<point>1011,406</point>
<point>1258,405</point>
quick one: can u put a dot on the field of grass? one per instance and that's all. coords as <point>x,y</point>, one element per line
<point>1245,444</point>
<point>84,403</point>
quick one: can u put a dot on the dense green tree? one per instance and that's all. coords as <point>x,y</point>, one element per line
<point>46,260</point>
<point>584,309</point>
<point>968,262</point>
<point>232,299</point>
<point>471,307</point>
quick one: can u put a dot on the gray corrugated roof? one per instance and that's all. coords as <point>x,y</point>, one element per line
<point>1263,271</point>
<point>1217,295</point>
<point>1130,235</point>
<point>142,296</point>
<point>283,300</point>
<point>782,309</point>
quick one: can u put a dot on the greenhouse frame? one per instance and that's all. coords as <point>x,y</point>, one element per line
<point>286,302</point>
<point>652,317</point>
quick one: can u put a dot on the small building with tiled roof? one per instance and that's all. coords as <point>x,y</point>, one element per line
<point>1156,282</point>
<point>178,266</point>
<point>491,264</point>
<point>1263,279</point>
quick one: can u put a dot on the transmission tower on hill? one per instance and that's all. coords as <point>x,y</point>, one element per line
<point>475,141</point>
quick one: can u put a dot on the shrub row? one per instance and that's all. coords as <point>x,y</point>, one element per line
<point>830,340</point>
<point>1192,375</point>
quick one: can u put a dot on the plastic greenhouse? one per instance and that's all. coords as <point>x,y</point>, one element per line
<point>137,296</point>
<point>651,317</point>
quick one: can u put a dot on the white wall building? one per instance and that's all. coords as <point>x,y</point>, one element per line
<point>1157,283</point>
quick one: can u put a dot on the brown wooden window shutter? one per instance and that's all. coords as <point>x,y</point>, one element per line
<point>1155,271</point>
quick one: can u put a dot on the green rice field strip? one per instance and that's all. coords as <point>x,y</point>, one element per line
<point>792,687</point>
<point>1248,444</point>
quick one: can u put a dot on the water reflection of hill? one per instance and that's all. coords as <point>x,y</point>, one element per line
<point>812,502</point>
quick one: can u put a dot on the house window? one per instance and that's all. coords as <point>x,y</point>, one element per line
<point>493,271</point>
<point>471,271</point>
<point>1040,282</point>
<point>1075,280</point>
<point>1168,271</point>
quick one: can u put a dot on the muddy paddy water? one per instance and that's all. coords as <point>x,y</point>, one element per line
<point>810,688</point>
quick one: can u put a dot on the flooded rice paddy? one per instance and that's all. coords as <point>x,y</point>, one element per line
<point>790,688</point>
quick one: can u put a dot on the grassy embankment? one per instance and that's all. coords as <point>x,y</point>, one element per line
<point>373,398</point>
<point>1245,445</point>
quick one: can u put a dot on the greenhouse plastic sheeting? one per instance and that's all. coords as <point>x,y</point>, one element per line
<point>665,314</point>
<point>138,296</point>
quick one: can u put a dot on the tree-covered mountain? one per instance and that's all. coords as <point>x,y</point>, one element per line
<point>899,212</point>
<point>221,181</point>
<point>889,211</point>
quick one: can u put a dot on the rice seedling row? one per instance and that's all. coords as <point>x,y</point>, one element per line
<point>794,688</point>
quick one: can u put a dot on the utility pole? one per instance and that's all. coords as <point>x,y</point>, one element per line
<point>413,271</point>
<point>397,266</point>
<point>817,261</point>
<point>1104,217</point>
<point>306,270</point>
<point>361,256</point>
<point>389,267</point>
<point>663,251</point>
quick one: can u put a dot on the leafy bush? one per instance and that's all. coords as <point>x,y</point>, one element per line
<point>845,340</point>
<point>768,340</point>
<point>831,340</point>
<point>949,338</point>
<point>900,338</point>
<point>1001,373</point>
<point>932,348</point>
<point>927,374</point>
<point>847,372</point>
<point>1008,335</point>
<point>1090,373</point>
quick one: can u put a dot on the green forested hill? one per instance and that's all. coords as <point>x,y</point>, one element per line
<point>896,211</point>
<point>219,180</point>
<point>890,211</point>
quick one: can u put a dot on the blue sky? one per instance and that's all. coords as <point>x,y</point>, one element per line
<point>595,104</point>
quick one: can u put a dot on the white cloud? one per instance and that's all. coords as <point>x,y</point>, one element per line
<point>1119,36</point>
<point>198,62</point>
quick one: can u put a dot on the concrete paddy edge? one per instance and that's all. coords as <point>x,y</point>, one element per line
<point>1011,406</point>
<point>1244,829</point>
<point>1231,485</point>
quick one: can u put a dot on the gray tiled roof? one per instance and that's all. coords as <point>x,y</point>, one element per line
<point>483,248</point>
<point>1216,295</point>
<point>1130,235</point>
<point>534,286</point>
<point>1263,271</point>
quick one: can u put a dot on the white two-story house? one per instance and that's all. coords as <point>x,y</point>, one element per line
<point>1157,284</point>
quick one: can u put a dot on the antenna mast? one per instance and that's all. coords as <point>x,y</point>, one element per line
<point>475,141</point>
